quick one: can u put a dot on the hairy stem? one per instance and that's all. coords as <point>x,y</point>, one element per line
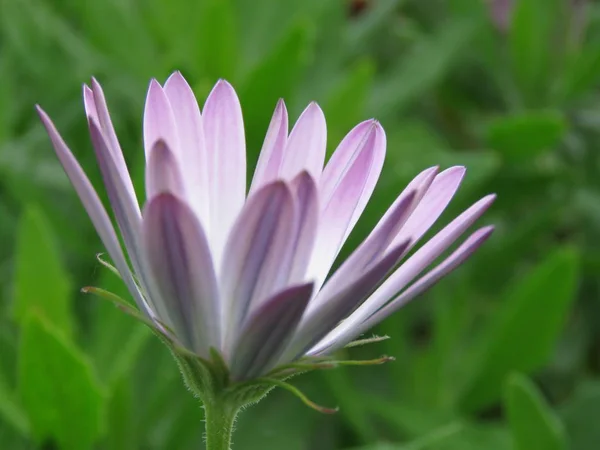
<point>219,419</point>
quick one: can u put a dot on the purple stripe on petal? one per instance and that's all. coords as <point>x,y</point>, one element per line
<point>193,157</point>
<point>340,212</point>
<point>95,210</point>
<point>459,256</point>
<point>257,258</point>
<point>414,266</point>
<point>305,193</point>
<point>226,151</point>
<point>267,331</point>
<point>182,268</point>
<point>272,152</point>
<point>162,173</point>
<point>306,145</point>
<point>159,121</point>
<point>318,322</point>
<point>432,205</point>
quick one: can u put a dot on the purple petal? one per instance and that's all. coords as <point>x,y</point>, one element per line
<point>224,136</point>
<point>96,107</point>
<point>305,149</point>
<point>182,268</point>
<point>413,267</point>
<point>159,121</point>
<point>432,205</point>
<point>193,155</point>
<point>305,193</point>
<point>257,258</point>
<point>95,210</point>
<point>341,210</point>
<point>267,332</point>
<point>162,173</point>
<point>272,152</point>
<point>318,322</point>
<point>459,256</point>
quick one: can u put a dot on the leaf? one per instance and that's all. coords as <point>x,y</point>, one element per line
<point>582,73</point>
<point>273,78</point>
<point>533,424</point>
<point>524,136</point>
<point>427,63</point>
<point>41,284</point>
<point>580,416</point>
<point>58,389</point>
<point>10,410</point>
<point>522,335</point>
<point>532,43</point>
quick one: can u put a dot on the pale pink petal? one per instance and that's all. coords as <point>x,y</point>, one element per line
<point>458,257</point>
<point>182,268</point>
<point>412,267</point>
<point>192,153</point>
<point>340,211</point>
<point>305,193</point>
<point>159,121</point>
<point>162,173</point>
<point>432,205</point>
<point>96,107</point>
<point>257,258</point>
<point>305,149</point>
<point>226,149</point>
<point>266,332</point>
<point>95,210</point>
<point>318,322</point>
<point>272,152</point>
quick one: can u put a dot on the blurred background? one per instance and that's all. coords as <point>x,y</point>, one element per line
<point>503,354</point>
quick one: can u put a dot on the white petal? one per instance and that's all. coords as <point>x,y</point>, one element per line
<point>162,173</point>
<point>306,145</point>
<point>193,155</point>
<point>272,152</point>
<point>226,149</point>
<point>159,121</point>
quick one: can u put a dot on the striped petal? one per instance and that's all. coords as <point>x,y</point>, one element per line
<point>182,268</point>
<point>267,332</point>
<point>257,259</point>
<point>162,172</point>
<point>305,193</point>
<point>458,257</point>
<point>159,121</point>
<point>226,150</point>
<point>318,322</point>
<point>305,149</point>
<point>272,152</point>
<point>432,205</point>
<point>95,210</point>
<point>193,155</point>
<point>340,211</point>
<point>413,266</point>
<point>96,107</point>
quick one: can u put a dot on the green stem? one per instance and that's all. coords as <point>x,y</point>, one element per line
<point>219,416</point>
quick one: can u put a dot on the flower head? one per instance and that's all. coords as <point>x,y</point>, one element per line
<point>248,274</point>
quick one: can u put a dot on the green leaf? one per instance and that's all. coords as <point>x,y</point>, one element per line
<point>427,63</point>
<point>580,416</point>
<point>582,73</point>
<point>42,284</point>
<point>522,335</point>
<point>275,77</point>
<point>533,45</point>
<point>533,424</point>
<point>58,388</point>
<point>11,411</point>
<point>524,136</point>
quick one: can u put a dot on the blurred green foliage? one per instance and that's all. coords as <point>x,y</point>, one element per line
<point>518,105</point>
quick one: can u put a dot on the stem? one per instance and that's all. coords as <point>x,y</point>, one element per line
<point>219,416</point>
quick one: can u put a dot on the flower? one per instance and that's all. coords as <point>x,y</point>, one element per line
<point>247,274</point>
